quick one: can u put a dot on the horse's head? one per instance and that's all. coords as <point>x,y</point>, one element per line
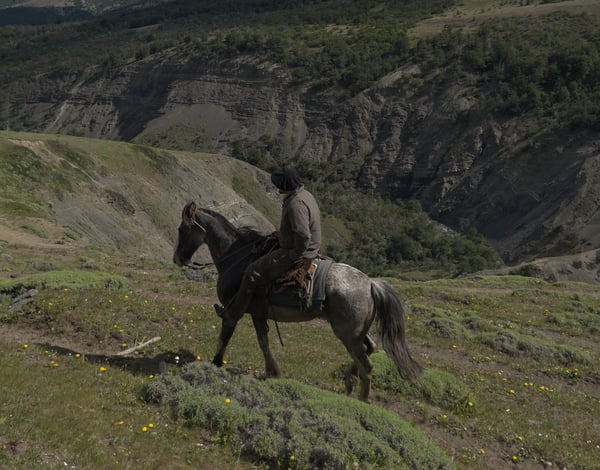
<point>190,235</point>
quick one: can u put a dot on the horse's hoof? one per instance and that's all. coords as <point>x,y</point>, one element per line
<point>217,362</point>
<point>349,382</point>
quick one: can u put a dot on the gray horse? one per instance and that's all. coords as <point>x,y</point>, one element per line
<point>352,299</point>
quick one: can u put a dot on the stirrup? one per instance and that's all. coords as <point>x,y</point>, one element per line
<point>219,310</point>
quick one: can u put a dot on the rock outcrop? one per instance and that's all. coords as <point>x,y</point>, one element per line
<point>527,184</point>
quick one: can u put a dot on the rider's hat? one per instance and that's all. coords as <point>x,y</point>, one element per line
<point>286,178</point>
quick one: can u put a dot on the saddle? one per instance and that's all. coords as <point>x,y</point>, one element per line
<point>293,289</point>
<point>297,282</point>
<point>303,287</point>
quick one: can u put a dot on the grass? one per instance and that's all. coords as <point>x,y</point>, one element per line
<point>479,403</point>
<point>64,280</point>
<point>63,411</point>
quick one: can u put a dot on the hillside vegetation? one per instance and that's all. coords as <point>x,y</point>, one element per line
<point>511,379</point>
<point>129,197</point>
<point>490,123</point>
<point>474,122</point>
<point>512,363</point>
<point>347,45</point>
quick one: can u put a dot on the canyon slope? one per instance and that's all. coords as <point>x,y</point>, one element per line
<point>527,184</point>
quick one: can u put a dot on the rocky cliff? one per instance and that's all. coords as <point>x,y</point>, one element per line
<point>528,185</point>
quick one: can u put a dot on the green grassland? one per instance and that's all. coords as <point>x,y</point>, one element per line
<point>512,363</point>
<point>512,376</point>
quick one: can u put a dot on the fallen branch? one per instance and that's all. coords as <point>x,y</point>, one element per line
<point>139,346</point>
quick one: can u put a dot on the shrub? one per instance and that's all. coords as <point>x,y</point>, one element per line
<point>527,270</point>
<point>273,421</point>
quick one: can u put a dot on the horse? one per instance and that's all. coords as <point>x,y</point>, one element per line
<point>352,299</point>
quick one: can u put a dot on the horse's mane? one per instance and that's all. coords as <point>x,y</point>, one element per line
<point>228,226</point>
<point>248,246</point>
<point>244,235</point>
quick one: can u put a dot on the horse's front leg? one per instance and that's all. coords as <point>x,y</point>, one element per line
<point>227,329</point>
<point>262,334</point>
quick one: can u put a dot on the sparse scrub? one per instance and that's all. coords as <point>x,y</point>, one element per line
<point>36,230</point>
<point>528,270</point>
<point>517,344</point>
<point>72,234</point>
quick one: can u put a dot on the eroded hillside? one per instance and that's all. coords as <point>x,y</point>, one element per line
<point>114,196</point>
<point>456,127</point>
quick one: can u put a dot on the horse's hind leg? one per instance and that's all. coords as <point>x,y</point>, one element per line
<point>262,333</point>
<point>351,377</point>
<point>363,365</point>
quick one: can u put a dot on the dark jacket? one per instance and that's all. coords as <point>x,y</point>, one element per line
<point>300,228</point>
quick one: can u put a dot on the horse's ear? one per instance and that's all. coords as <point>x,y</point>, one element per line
<point>189,211</point>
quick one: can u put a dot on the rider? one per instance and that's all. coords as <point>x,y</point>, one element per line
<point>299,238</point>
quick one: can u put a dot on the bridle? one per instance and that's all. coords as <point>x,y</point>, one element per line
<point>195,222</point>
<point>225,255</point>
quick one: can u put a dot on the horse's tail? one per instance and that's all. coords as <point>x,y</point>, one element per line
<point>390,314</point>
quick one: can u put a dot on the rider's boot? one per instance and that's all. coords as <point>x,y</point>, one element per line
<point>237,307</point>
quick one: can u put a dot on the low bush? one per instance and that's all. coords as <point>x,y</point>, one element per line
<point>286,424</point>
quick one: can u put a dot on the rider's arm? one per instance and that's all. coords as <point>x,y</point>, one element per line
<point>299,217</point>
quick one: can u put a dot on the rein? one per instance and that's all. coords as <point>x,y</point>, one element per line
<point>227,255</point>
